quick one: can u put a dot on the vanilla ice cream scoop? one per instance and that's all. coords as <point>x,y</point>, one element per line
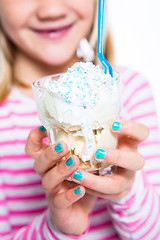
<point>77,107</point>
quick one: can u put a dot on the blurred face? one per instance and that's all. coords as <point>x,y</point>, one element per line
<point>47,30</point>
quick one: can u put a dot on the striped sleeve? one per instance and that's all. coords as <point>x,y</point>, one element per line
<point>136,216</point>
<point>40,228</point>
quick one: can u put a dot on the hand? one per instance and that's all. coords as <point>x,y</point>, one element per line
<point>69,211</point>
<point>126,158</point>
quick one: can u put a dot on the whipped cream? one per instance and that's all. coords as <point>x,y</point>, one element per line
<point>83,94</point>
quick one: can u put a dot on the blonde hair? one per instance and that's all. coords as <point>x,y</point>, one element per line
<point>7,55</point>
<point>6,62</point>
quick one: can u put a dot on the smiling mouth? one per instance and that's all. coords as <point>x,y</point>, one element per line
<point>53,33</point>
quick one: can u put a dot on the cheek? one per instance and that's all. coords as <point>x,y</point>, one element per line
<point>9,20</point>
<point>88,21</point>
<point>14,13</point>
<point>84,9</point>
<point>11,27</point>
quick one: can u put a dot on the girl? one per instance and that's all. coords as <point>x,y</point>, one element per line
<point>38,38</point>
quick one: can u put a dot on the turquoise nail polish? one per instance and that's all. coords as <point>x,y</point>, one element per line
<point>116,125</point>
<point>58,148</point>
<point>78,175</point>
<point>70,162</point>
<point>42,129</point>
<point>77,191</point>
<point>100,153</point>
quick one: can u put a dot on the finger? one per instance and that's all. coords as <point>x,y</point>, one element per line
<point>125,159</point>
<point>112,184</point>
<point>67,198</point>
<point>49,157</point>
<point>115,196</point>
<point>34,144</point>
<point>132,129</point>
<point>59,173</point>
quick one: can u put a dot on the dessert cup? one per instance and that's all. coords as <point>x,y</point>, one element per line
<point>81,118</point>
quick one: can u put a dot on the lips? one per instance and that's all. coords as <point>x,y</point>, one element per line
<point>53,33</point>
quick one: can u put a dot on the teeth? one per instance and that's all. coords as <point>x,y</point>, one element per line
<point>55,30</point>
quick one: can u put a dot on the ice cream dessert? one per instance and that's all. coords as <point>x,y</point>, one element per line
<point>77,107</point>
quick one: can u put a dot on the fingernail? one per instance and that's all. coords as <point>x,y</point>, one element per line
<point>77,191</point>
<point>70,162</point>
<point>58,148</point>
<point>42,129</point>
<point>78,175</point>
<point>116,125</point>
<point>100,153</point>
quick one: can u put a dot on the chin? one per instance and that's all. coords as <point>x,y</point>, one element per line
<point>58,60</point>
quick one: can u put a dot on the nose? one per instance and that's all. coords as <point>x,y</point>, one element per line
<point>54,9</point>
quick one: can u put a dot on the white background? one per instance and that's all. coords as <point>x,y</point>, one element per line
<point>135,26</point>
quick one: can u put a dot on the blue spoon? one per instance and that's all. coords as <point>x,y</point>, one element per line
<point>100,40</point>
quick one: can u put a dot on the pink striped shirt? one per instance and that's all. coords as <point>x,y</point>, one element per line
<point>23,208</point>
